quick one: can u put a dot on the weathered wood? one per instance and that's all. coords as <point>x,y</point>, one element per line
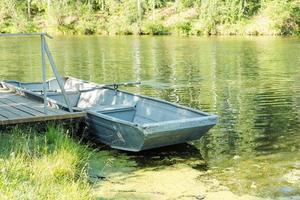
<point>22,107</point>
<point>26,103</point>
<point>32,104</point>
<point>42,119</point>
<point>2,117</point>
<point>7,114</point>
<point>16,109</point>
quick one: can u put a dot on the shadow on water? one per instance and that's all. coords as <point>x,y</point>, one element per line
<point>166,156</point>
<point>158,157</point>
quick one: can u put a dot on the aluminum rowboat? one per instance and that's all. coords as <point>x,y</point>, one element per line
<point>121,119</point>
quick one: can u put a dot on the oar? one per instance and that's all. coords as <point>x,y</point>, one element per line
<point>115,86</point>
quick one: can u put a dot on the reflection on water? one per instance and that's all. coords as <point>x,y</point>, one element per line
<point>253,84</point>
<point>167,156</point>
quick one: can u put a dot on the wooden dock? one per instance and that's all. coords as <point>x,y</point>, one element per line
<point>16,109</point>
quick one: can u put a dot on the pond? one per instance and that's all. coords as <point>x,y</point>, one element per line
<point>252,84</point>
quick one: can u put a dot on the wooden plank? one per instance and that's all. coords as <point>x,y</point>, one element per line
<point>28,108</point>
<point>76,115</point>
<point>2,118</point>
<point>14,110</point>
<point>2,115</point>
<point>34,104</point>
<point>52,111</point>
<point>22,107</point>
<point>8,114</point>
<point>6,111</point>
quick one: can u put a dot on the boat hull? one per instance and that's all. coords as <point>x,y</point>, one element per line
<point>135,138</point>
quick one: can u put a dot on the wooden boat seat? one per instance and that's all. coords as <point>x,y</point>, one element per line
<point>109,108</point>
<point>113,108</point>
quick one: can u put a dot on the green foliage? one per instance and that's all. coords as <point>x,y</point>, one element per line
<point>183,28</point>
<point>155,28</point>
<point>282,16</point>
<point>187,3</point>
<point>212,17</point>
<point>43,166</point>
<point>89,24</point>
<point>276,18</point>
<point>119,26</point>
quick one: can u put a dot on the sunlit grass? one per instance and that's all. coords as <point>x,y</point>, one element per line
<point>48,165</point>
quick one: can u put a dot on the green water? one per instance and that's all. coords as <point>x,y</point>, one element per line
<point>252,84</point>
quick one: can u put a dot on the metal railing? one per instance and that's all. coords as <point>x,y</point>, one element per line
<point>46,52</point>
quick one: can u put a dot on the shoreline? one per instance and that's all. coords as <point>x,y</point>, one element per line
<point>165,35</point>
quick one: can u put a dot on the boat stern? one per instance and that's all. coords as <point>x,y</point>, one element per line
<point>115,134</point>
<point>176,132</point>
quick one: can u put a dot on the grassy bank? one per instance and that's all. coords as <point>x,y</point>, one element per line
<point>153,17</point>
<point>48,165</point>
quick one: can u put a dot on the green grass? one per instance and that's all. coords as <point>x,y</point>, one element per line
<point>43,165</point>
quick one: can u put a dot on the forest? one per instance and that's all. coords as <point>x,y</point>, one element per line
<point>151,17</point>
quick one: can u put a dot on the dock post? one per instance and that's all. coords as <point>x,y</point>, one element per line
<point>58,78</point>
<point>44,72</point>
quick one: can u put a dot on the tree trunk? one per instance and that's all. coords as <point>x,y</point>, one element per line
<point>89,5</point>
<point>29,8</point>
<point>139,9</point>
<point>102,5</point>
<point>153,9</point>
<point>48,4</point>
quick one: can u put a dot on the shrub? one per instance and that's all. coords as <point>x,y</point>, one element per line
<point>276,18</point>
<point>183,28</point>
<point>155,28</point>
